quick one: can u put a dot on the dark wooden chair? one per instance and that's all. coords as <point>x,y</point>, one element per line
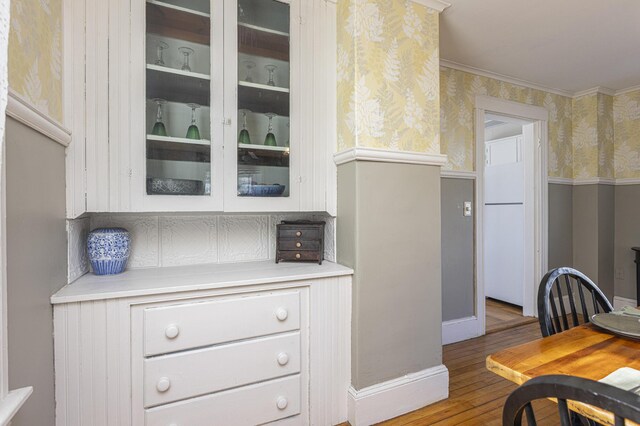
<point>623,404</point>
<point>553,312</point>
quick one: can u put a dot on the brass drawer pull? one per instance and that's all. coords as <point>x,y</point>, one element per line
<point>298,234</point>
<point>298,245</point>
<point>297,255</point>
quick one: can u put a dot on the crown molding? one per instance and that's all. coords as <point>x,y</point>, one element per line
<point>512,80</point>
<point>628,181</point>
<point>21,110</point>
<point>595,90</point>
<point>594,181</point>
<point>501,77</point>
<point>560,180</point>
<point>628,90</point>
<point>388,156</point>
<point>438,5</point>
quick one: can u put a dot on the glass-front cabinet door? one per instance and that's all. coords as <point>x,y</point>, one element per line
<point>261,154</point>
<point>183,120</point>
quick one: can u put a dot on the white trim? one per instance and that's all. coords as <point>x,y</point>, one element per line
<point>472,70</point>
<point>458,174</point>
<point>593,91</point>
<point>461,329</point>
<point>21,110</point>
<point>538,222</point>
<point>437,5</point>
<point>395,397</point>
<point>11,403</point>
<point>628,181</point>
<point>594,181</point>
<point>388,156</point>
<point>620,302</point>
<point>560,180</point>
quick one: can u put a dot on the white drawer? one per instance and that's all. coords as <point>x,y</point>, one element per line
<point>192,325</point>
<point>249,405</point>
<point>174,377</point>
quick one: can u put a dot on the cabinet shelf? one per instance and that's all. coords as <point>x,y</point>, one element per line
<point>178,22</point>
<point>260,86</point>
<point>252,147</point>
<point>176,85</point>
<point>260,155</point>
<point>171,150</point>
<point>173,139</point>
<point>259,41</point>
<point>261,98</point>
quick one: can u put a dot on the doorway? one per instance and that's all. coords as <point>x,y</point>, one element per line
<point>531,153</point>
<point>507,209</point>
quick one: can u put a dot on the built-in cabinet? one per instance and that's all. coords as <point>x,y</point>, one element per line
<point>205,105</point>
<point>237,344</point>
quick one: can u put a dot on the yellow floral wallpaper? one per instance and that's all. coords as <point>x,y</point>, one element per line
<point>388,59</point>
<point>606,142</point>
<point>35,53</point>
<point>626,117</point>
<point>585,136</point>
<point>458,90</point>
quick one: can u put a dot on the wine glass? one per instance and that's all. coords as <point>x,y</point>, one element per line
<point>160,47</point>
<point>249,65</point>
<point>186,51</point>
<point>158,127</point>
<point>270,139</point>
<point>271,69</point>
<point>244,133</point>
<point>192,131</point>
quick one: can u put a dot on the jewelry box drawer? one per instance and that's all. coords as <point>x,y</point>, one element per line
<point>174,377</point>
<point>299,245</point>
<point>302,256</point>
<point>301,233</point>
<point>197,324</point>
<point>250,405</point>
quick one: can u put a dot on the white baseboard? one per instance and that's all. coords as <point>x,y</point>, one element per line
<point>390,399</point>
<point>621,302</point>
<point>460,329</point>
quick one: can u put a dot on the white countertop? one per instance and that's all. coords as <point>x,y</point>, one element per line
<point>141,282</point>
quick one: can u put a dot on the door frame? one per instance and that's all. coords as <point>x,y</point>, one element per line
<point>539,116</point>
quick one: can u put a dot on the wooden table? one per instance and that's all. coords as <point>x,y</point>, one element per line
<point>583,351</point>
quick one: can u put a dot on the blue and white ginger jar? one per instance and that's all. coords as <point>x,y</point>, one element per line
<point>108,250</point>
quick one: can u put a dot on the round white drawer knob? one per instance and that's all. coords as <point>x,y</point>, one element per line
<point>172,331</point>
<point>282,314</point>
<point>282,403</point>
<point>283,358</point>
<point>163,384</point>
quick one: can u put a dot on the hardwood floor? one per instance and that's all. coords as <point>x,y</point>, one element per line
<point>502,316</point>
<point>476,396</point>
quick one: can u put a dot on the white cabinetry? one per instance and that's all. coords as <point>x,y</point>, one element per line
<point>241,344</point>
<point>244,59</point>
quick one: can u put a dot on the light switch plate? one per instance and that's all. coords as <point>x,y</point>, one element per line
<point>466,211</point>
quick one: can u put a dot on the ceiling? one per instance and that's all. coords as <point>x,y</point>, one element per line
<point>569,45</point>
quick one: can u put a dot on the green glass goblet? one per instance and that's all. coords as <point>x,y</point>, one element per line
<point>158,127</point>
<point>192,131</point>
<point>243,137</point>
<point>270,139</point>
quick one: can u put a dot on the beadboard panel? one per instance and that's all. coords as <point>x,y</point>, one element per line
<point>176,240</point>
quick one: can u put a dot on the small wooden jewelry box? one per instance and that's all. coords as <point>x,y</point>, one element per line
<point>300,241</point>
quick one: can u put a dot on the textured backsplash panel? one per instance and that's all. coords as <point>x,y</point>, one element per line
<point>174,240</point>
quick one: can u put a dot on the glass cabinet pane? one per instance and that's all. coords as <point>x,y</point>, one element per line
<point>178,125</point>
<point>263,98</point>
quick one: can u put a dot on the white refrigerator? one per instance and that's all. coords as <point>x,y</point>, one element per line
<point>504,220</point>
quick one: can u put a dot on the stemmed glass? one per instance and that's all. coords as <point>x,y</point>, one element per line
<point>243,137</point>
<point>186,51</point>
<point>192,131</point>
<point>158,127</point>
<point>271,69</point>
<point>270,139</point>
<point>162,46</point>
<point>249,65</point>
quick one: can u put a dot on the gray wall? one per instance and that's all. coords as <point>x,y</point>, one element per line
<point>627,235</point>
<point>560,225</point>
<point>389,232</point>
<point>593,233</point>
<point>458,262</point>
<point>36,264</point>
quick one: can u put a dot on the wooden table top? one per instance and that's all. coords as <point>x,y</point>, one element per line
<point>583,351</point>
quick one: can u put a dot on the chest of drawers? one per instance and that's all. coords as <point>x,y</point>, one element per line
<point>245,352</point>
<point>300,241</point>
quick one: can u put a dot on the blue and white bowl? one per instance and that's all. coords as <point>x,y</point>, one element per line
<point>108,250</point>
